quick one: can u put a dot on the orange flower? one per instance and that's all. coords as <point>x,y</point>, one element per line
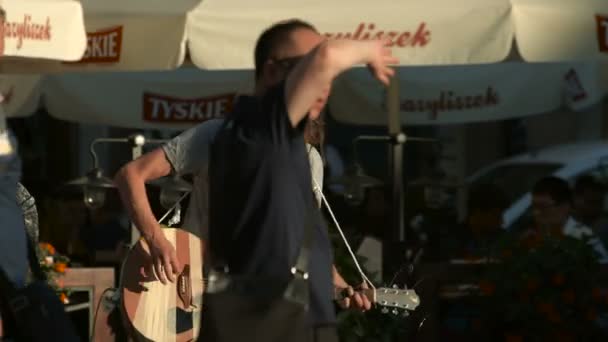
<point>48,247</point>
<point>487,288</point>
<point>569,296</point>
<point>558,279</point>
<point>63,298</point>
<point>60,267</point>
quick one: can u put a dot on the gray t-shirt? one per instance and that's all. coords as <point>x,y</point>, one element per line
<point>188,153</point>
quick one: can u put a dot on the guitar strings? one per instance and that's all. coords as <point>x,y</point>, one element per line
<point>317,189</point>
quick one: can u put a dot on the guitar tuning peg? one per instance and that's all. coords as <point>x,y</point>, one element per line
<point>395,286</point>
<point>395,312</point>
<point>405,313</point>
<point>384,310</point>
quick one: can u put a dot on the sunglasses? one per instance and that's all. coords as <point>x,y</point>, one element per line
<point>287,63</point>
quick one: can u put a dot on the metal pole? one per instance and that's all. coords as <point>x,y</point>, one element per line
<point>398,139</point>
<point>394,249</point>
<point>137,142</point>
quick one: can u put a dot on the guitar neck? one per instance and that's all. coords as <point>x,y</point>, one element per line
<point>387,297</point>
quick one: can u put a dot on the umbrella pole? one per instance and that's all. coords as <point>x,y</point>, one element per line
<point>137,142</point>
<point>394,252</point>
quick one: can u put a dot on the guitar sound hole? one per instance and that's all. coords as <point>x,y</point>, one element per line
<point>183,321</point>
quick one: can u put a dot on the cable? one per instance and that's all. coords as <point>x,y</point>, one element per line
<point>317,188</point>
<point>173,207</point>
<point>97,311</point>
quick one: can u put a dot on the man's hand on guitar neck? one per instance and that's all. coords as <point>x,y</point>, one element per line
<point>353,298</point>
<point>346,296</point>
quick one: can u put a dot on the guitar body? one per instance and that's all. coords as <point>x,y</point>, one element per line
<point>163,313</point>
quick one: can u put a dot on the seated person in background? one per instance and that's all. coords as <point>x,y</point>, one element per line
<point>588,205</point>
<point>483,223</point>
<point>552,213</point>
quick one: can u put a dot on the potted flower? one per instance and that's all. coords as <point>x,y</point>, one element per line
<point>545,287</point>
<point>54,266</point>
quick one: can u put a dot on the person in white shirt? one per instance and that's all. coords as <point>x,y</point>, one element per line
<point>552,212</point>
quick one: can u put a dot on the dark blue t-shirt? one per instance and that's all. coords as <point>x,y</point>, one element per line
<point>260,196</point>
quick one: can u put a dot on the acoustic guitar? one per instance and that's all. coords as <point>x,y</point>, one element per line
<point>172,312</point>
<point>163,313</point>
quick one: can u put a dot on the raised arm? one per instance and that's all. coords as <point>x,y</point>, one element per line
<point>312,77</point>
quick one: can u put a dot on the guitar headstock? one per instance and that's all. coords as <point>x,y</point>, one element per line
<point>400,300</point>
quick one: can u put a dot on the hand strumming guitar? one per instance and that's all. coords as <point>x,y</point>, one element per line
<point>164,258</point>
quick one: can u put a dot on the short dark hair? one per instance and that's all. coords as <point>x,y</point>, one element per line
<point>272,37</point>
<point>557,188</point>
<point>588,183</point>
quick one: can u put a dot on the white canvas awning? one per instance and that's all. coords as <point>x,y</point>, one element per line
<point>43,29</point>
<point>145,35</point>
<point>472,93</point>
<point>429,95</point>
<point>174,99</point>
<point>222,35</point>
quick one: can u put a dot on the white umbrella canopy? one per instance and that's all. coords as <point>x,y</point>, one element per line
<point>42,30</point>
<point>472,93</point>
<point>429,96</point>
<point>138,35</point>
<point>222,34</point>
<point>125,35</point>
<point>561,30</point>
<point>134,35</point>
<point>175,99</point>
